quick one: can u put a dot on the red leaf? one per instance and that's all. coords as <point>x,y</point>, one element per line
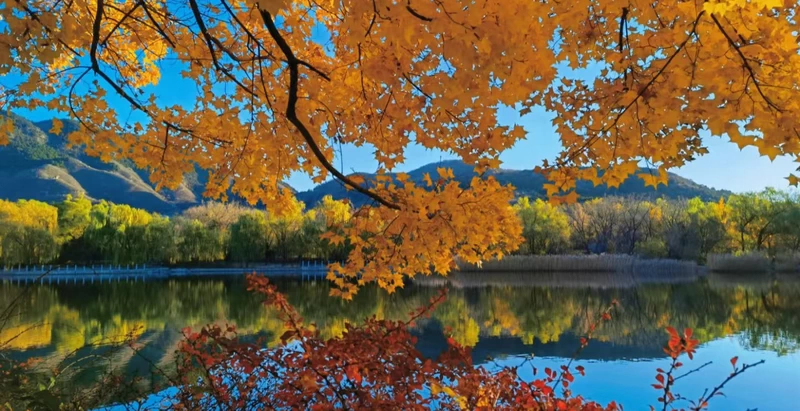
<point>353,374</point>
<point>733,361</point>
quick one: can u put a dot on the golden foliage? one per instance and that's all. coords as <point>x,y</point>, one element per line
<point>272,96</point>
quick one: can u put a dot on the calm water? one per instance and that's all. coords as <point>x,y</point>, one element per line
<point>504,318</point>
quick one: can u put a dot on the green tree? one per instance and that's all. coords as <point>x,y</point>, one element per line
<point>28,232</point>
<point>199,242</point>
<point>706,223</point>
<point>160,241</point>
<point>73,218</point>
<point>248,237</point>
<point>284,226</point>
<point>788,226</point>
<point>333,216</point>
<point>753,218</point>
<point>545,226</point>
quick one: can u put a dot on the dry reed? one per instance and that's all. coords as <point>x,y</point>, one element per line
<point>743,263</point>
<point>787,263</point>
<point>582,263</point>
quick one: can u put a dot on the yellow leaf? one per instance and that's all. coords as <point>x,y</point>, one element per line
<point>435,388</point>
<point>653,180</point>
<point>57,127</point>
<point>550,189</point>
<point>358,179</point>
<point>568,198</point>
<point>768,150</point>
<point>6,129</point>
<point>427,178</point>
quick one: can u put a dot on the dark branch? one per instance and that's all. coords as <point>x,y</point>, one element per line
<point>703,401</point>
<point>291,112</point>
<point>589,142</point>
<point>417,15</point>
<point>745,64</point>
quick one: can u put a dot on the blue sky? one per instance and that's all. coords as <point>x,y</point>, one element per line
<point>725,167</point>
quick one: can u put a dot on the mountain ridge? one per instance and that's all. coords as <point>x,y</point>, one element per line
<point>39,165</point>
<point>527,183</point>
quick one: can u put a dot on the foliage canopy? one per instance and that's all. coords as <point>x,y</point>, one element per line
<point>280,83</point>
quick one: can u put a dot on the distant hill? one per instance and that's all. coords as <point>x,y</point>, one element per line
<point>528,183</point>
<point>38,165</point>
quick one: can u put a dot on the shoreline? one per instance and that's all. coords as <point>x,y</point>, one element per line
<point>91,274</point>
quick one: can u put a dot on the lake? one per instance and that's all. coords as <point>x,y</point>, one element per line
<point>506,318</point>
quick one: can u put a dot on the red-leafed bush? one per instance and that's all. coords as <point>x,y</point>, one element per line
<point>376,365</point>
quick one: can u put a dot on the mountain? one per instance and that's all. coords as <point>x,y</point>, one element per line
<point>527,183</point>
<point>39,165</point>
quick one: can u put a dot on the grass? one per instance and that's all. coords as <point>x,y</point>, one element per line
<point>606,263</point>
<point>743,263</point>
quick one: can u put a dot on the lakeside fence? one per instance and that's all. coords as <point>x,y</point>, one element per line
<point>74,274</point>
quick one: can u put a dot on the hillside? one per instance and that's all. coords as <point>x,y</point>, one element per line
<point>39,165</point>
<point>529,184</point>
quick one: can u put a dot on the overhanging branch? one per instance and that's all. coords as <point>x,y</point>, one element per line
<point>291,112</point>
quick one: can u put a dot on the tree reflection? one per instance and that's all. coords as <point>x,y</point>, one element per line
<point>499,319</point>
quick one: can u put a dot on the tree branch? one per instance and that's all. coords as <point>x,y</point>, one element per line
<point>746,65</point>
<point>291,112</point>
<point>416,13</point>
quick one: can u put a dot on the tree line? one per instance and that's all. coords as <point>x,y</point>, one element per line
<point>79,231</point>
<point>687,229</point>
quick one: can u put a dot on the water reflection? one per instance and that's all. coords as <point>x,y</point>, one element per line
<point>499,316</point>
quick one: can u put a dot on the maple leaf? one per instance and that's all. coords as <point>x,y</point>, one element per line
<point>768,150</point>
<point>653,180</point>
<point>427,178</point>
<point>56,127</point>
